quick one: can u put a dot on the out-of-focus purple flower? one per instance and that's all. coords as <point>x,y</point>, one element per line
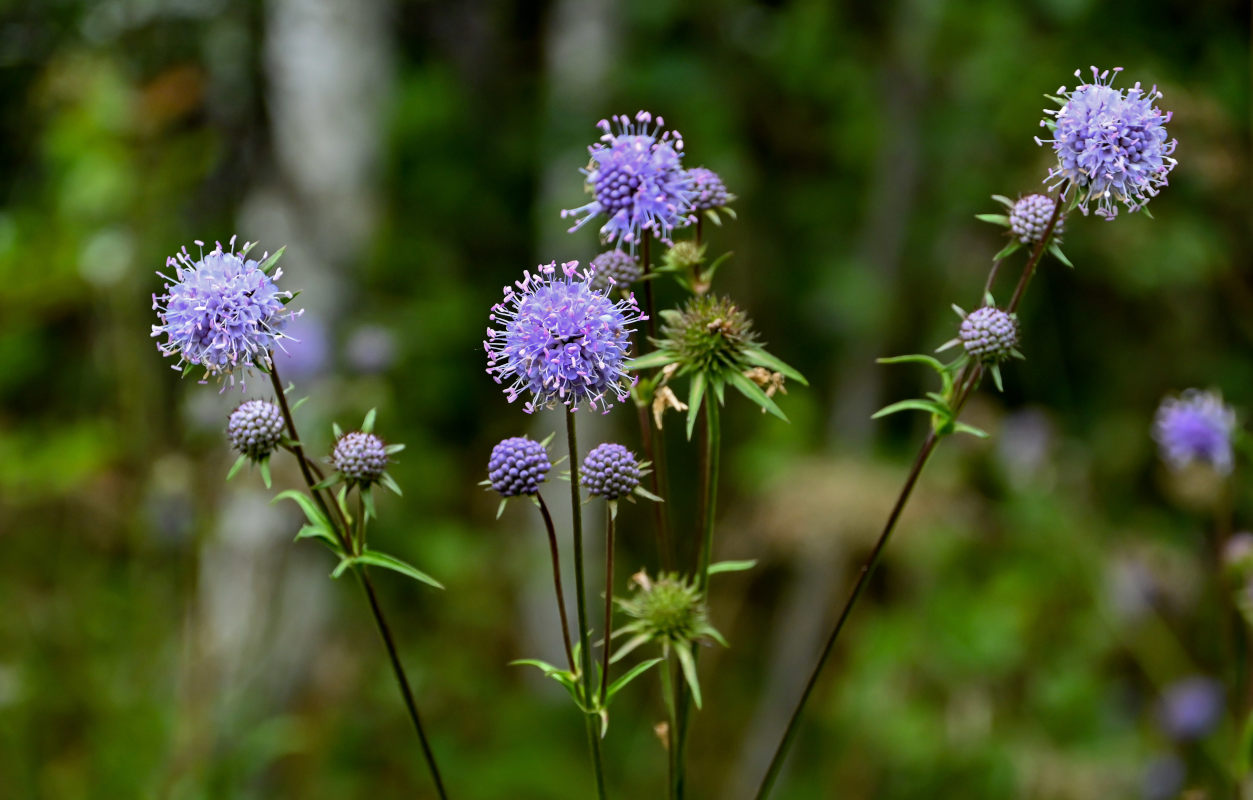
<point>711,192</point>
<point>222,312</point>
<point>561,340</point>
<point>1197,426</point>
<point>1163,778</point>
<point>1111,144</point>
<point>637,181</point>
<point>615,268</point>
<point>371,348</point>
<point>305,350</point>
<point>1191,708</point>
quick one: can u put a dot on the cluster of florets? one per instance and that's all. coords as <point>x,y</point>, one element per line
<point>711,192</point>
<point>562,341</point>
<point>360,457</point>
<point>221,312</point>
<point>1111,145</point>
<point>615,268</point>
<point>669,609</point>
<point>518,466</point>
<point>1029,218</point>
<point>637,181</point>
<point>610,471</point>
<point>711,334</point>
<point>1196,427</point>
<point>255,429</point>
<point>989,334</point>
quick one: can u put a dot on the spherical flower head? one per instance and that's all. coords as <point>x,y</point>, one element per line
<point>1111,144</point>
<point>561,341</point>
<point>518,466</point>
<point>222,312</point>
<point>1197,426</point>
<point>669,609</point>
<point>1191,708</point>
<point>615,268</point>
<point>637,181</point>
<point>255,429</point>
<point>610,471</point>
<point>1030,216</point>
<point>710,335</point>
<point>711,192</point>
<point>360,457</point>
<point>989,334</point>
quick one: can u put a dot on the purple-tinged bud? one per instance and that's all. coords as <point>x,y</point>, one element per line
<point>255,429</point>
<point>518,466</point>
<point>615,268</point>
<point>1030,217</point>
<point>360,457</point>
<point>610,471</point>
<point>711,192</point>
<point>989,334</point>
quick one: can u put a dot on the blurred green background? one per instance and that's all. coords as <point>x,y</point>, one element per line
<point>161,637</point>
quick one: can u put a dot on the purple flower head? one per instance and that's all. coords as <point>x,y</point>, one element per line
<point>610,471</point>
<point>1190,708</point>
<point>989,334</point>
<point>1197,426</point>
<point>711,192</point>
<point>307,350</point>
<point>1029,217</point>
<point>360,457</point>
<point>222,312</point>
<point>518,466</point>
<point>637,181</point>
<point>615,268</point>
<point>561,340</point>
<point>255,429</point>
<point>1111,144</point>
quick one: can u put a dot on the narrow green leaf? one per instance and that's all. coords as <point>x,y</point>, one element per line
<point>631,644</point>
<point>500,509</point>
<point>269,263</point>
<point>367,425</point>
<point>713,217</point>
<point>1003,200</point>
<point>760,358</point>
<point>694,398</point>
<point>732,566</point>
<point>1007,250</point>
<point>390,483</point>
<point>929,406</point>
<point>392,449</point>
<point>312,512</point>
<point>630,675</point>
<point>684,652</point>
<point>995,369</point>
<point>961,427</point>
<point>338,431</point>
<point>657,358</point>
<point>1059,255</point>
<point>647,495</point>
<point>328,481</point>
<point>367,500</point>
<point>995,219</point>
<point>296,405</point>
<point>377,559</point>
<point>755,393</point>
<point>263,466</point>
<point>916,358</point>
<point>238,465</point>
<point>314,532</point>
<point>344,563</point>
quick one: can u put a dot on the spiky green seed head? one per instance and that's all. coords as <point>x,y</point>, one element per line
<point>685,255</point>
<point>669,609</point>
<point>710,335</point>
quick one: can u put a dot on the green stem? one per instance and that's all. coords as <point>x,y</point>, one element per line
<point>561,598</point>
<point>343,534</point>
<point>580,604</point>
<point>654,447</point>
<point>668,683</point>
<point>604,664</point>
<point>966,383</point>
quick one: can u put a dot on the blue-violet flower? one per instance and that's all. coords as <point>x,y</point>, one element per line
<point>636,179</point>
<point>1196,427</point>
<point>222,312</point>
<point>1111,144</point>
<point>561,340</point>
<point>518,466</point>
<point>610,471</point>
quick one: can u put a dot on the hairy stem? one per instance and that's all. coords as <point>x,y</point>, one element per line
<point>561,598</point>
<point>344,535</point>
<point>580,603</point>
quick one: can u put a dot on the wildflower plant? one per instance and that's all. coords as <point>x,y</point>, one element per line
<point>1196,427</point>
<point>223,312</point>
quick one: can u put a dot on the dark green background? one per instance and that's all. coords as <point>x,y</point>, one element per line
<point>1005,648</point>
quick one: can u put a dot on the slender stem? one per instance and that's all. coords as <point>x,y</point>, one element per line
<point>647,268</point>
<point>654,451</point>
<point>700,225</point>
<point>604,663</point>
<point>359,540</point>
<point>342,533</point>
<point>561,598</point>
<point>867,569</point>
<point>713,446</point>
<point>668,683</point>
<point>580,602</point>
<point>1036,252</point>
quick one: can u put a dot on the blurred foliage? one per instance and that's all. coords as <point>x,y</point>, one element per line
<point>1051,583</point>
